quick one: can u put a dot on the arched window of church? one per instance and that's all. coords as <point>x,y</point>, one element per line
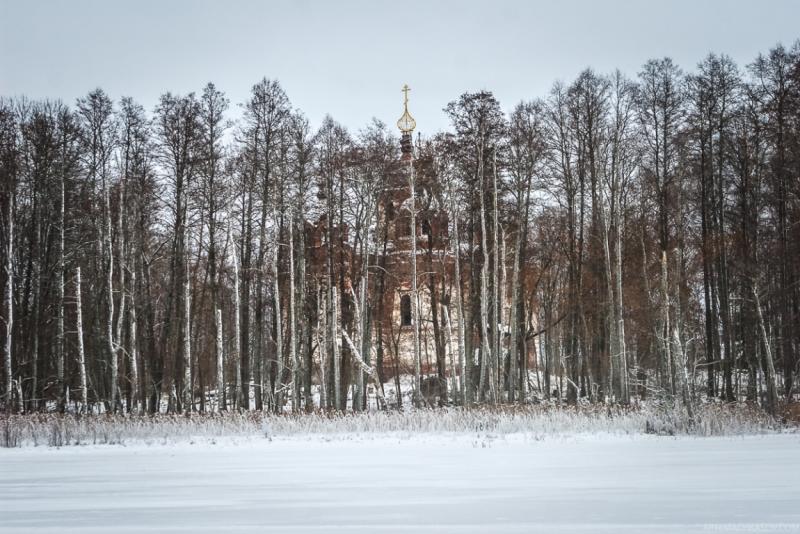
<point>405,310</point>
<point>426,227</point>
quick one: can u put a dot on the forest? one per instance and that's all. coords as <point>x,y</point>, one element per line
<point>625,236</point>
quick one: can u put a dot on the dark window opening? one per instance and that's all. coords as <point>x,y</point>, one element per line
<point>426,227</point>
<point>405,310</point>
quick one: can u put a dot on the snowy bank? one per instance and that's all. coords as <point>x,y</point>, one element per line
<point>537,421</point>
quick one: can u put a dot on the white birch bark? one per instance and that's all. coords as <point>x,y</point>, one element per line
<point>679,351</point>
<point>462,360</point>
<point>614,378</point>
<point>486,356</point>
<point>279,386</point>
<point>337,393</point>
<point>359,385</point>
<point>109,289</point>
<point>81,352</point>
<point>512,317</point>
<point>219,362</point>
<point>237,327</point>
<point>9,304</point>
<point>769,364</point>
<point>322,343</point>
<point>497,282</point>
<point>414,289</point>
<point>133,352</point>
<point>37,284</point>
<point>121,269</point>
<point>364,367</point>
<point>450,354</point>
<point>293,321</point>
<point>623,355</point>
<point>60,319</point>
<point>188,392</point>
<point>364,329</point>
<point>665,333</point>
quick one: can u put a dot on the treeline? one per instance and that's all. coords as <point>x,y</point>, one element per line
<point>618,238</point>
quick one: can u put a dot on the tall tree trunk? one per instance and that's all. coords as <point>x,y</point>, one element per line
<point>109,296</point>
<point>121,269</point>
<point>188,391</point>
<point>322,343</point>
<point>611,322</point>
<point>37,291</point>
<point>81,352</point>
<point>513,313</point>
<point>414,289</point>
<point>293,320</point>
<point>279,380</point>
<point>61,402</point>
<point>243,364</point>
<point>133,351</point>
<point>464,366</point>
<point>487,367</point>
<point>9,303</point>
<point>620,312</point>
<point>497,361</point>
<point>237,397</point>
<point>769,365</point>
<point>337,375</point>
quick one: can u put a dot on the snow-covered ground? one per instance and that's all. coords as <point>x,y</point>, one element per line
<point>409,483</point>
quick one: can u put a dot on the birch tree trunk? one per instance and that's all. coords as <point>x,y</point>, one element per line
<point>293,321</point>
<point>121,270</point>
<point>497,282</point>
<point>512,316</point>
<point>466,393</point>
<point>237,326</point>
<point>81,352</point>
<point>679,351</point>
<point>337,376</point>
<point>37,291</point>
<point>449,325</point>
<point>610,319</point>
<point>279,386</point>
<point>322,343</point>
<point>220,362</point>
<point>665,327</point>
<point>188,393</point>
<point>486,352</point>
<point>623,356</point>
<point>109,290</point>
<point>769,364</point>
<point>9,305</point>
<point>365,336</point>
<point>414,289</point>
<point>60,320</point>
<point>363,367</point>
<point>133,352</point>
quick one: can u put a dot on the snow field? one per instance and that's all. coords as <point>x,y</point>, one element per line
<point>430,482</point>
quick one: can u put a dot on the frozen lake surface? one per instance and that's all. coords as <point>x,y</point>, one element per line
<point>427,483</point>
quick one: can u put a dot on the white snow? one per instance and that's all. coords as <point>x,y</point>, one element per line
<point>409,483</point>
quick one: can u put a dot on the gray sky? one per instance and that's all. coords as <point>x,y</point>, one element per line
<point>350,58</point>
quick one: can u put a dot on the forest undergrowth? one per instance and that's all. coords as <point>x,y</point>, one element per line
<point>539,421</point>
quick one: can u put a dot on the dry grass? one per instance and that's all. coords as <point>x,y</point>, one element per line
<point>540,420</point>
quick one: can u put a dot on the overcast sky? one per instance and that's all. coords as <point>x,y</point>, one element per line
<point>350,59</point>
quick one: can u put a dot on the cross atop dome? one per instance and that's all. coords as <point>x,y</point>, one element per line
<point>406,123</point>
